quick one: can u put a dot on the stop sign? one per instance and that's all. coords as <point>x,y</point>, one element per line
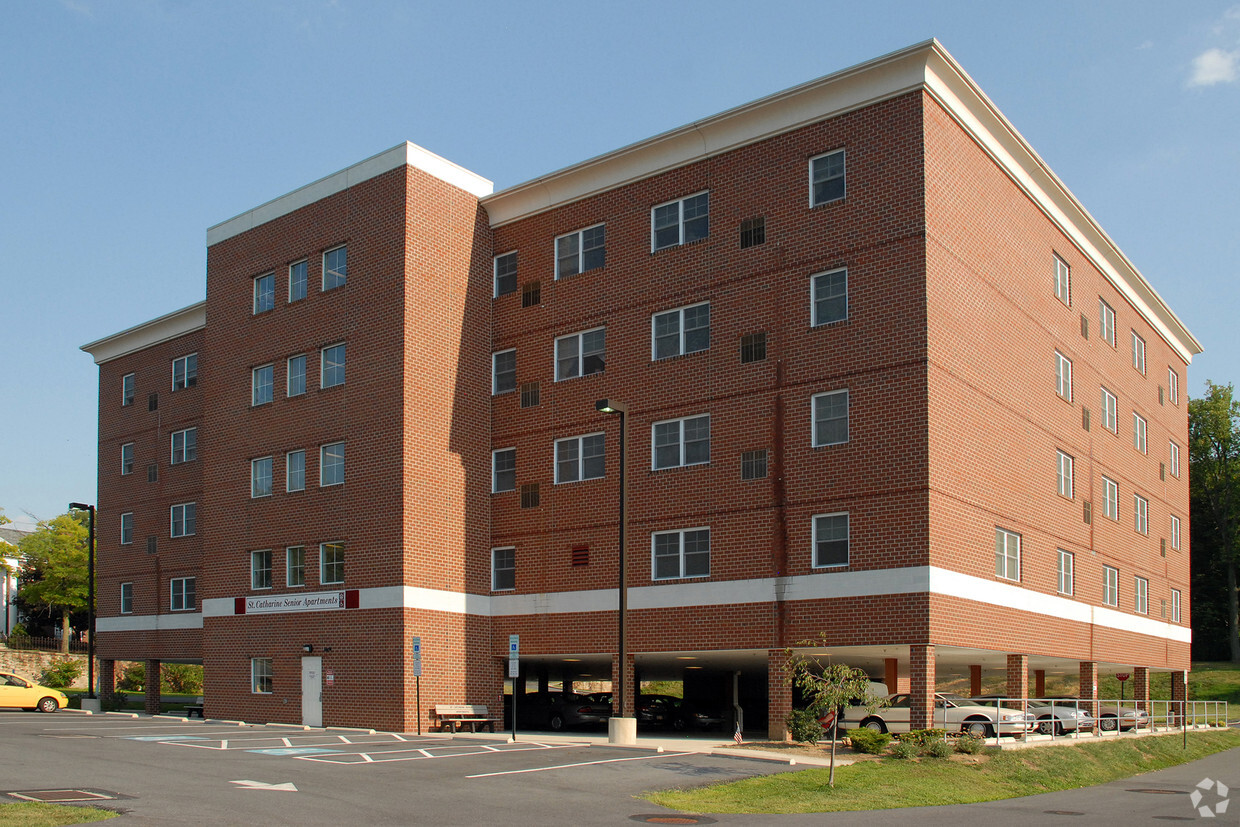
<point>1121,676</point>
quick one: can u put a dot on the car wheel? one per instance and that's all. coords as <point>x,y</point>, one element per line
<point>874,724</point>
<point>1108,723</point>
<point>556,722</point>
<point>680,724</point>
<point>978,729</point>
<point>48,705</point>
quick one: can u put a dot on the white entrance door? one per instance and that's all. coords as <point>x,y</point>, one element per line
<point>312,690</point>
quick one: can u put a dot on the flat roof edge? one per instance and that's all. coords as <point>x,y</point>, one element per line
<point>141,336</point>
<point>406,154</point>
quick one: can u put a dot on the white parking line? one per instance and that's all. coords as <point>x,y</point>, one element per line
<point>581,764</point>
<point>422,754</point>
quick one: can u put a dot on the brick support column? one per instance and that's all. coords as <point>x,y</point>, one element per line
<point>630,685</point>
<point>1039,683</point>
<point>975,680</point>
<point>1087,689</point>
<point>891,674</point>
<point>151,705</point>
<point>1179,695</point>
<point>921,686</point>
<point>107,680</point>
<point>779,694</point>
<point>1141,687</point>
<point>1017,678</point>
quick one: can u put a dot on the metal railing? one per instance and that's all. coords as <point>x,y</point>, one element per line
<point>28,643</point>
<point>1069,718</point>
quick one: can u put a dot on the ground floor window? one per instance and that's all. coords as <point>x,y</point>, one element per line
<point>260,676</point>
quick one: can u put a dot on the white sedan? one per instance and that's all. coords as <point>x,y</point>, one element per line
<point>951,712</point>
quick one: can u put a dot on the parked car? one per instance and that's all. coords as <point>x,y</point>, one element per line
<point>1051,716</point>
<point>21,692</point>
<point>557,711</point>
<point>1112,716</point>
<point>655,710</point>
<point>951,712</point>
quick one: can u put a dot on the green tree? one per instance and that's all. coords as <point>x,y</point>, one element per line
<point>1214,486</point>
<point>54,569</point>
<point>829,688</point>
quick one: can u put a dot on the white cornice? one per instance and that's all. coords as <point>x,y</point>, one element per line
<point>163,329</point>
<point>399,155</point>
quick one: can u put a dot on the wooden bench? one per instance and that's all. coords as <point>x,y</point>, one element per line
<point>194,710</point>
<point>453,716</point>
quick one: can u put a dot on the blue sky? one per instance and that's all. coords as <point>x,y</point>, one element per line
<point>133,125</point>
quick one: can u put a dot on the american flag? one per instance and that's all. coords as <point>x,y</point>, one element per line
<point>737,735</point>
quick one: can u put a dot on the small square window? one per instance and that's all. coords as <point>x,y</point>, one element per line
<point>152,402</point>
<point>826,178</point>
<point>580,251</point>
<point>580,354</point>
<point>298,276</point>
<point>680,442</point>
<point>529,395</point>
<point>680,332</point>
<point>531,294</point>
<point>184,519</point>
<point>753,464</point>
<point>680,554</point>
<point>184,594</point>
<point>331,372</point>
<point>753,232</point>
<point>260,676</point>
<point>503,569</point>
<point>753,347</point>
<point>152,544</point>
<point>579,458</point>
<point>335,268</point>
<point>184,372</point>
<point>830,540</point>
<point>152,473</point>
<point>264,293</point>
<point>529,495</point>
<point>184,446</point>
<point>331,563</point>
<point>505,270</point>
<point>680,222</point>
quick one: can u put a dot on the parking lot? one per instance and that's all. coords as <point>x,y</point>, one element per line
<point>171,771</point>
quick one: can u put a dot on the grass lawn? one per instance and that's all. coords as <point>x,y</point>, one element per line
<point>35,814</point>
<point>891,783</point>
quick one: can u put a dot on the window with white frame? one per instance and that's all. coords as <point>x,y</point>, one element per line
<point>1007,554</point>
<point>829,297</point>
<point>184,519</point>
<point>1110,412</point>
<point>1106,322</point>
<point>295,566</point>
<point>1175,605</point>
<point>332,366</point>
<point>260,569</point>
<point>830,412</point>
<point>1141,595</point>
<point>1065,475</point>
<point>1110,498</point>
<point>185,372</point>
<point>331,464</point>
<point>298,273</point>
<point>1138,432</point>
<point>1063,376</point>
<point>331,563</point>
<point>826,178</point>
<point>1173,386</point>
<point>260,676</point>
<point>126,598</point>
<point>1173,458</point>
<point>830,538</point>
<point>295,471</point>
<point>129,388</point>
<point>126,528</point>
<point>503,470</point>
<point>680,331</point>
<point>579,458</point>
<point>1062,281</point>
<point>297,374</point>
<point>503,569</point>
<point>1140,514</point>
<point>260,477</point>
<point>1175,532</point>
<point>1110,585</point>
<point>1138,353</point>
<point>679,442</point>
<point>679,554</point>
<point>127,458</point>
<point>505,274</point>
<point>262,384</point>
<point>580,354</point>
<point>579,251</point>
<point>264,293</point>
<point>1067,564</point>
<point>504,371</point>
<point>184,446</point>
<point>184,594</point>
<point>335,268</point>
<point>680,222</point>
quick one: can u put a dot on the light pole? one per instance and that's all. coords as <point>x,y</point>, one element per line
<point>621,728</point>
<point>90,599</point>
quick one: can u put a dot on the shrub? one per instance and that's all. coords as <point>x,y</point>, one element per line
<point>920,737</point>
<point>903,749</point>
<point>937,749</point>
<point>803,726</point>
<point>133,678</point>
<point>181,678</point>
<point>869,741</point>
<point>61,673</point>
<point>969,744</point>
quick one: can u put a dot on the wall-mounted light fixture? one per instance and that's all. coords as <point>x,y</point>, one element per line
<point>309,647</point>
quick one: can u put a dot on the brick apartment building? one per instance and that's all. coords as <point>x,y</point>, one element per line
<point>887,381</point>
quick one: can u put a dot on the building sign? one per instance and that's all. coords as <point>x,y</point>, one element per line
<point>312,602</point>
<point>329,677</point>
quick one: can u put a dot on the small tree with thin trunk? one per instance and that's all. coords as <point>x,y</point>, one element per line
<point>829,688</point>
<point>54,570</point>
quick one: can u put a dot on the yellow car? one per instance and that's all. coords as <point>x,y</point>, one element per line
<point>17,691</point>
